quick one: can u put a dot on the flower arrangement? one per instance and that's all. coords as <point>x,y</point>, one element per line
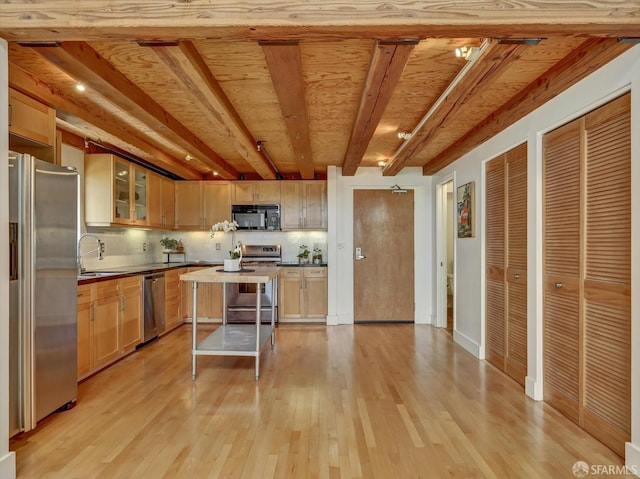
<point>226,226</point>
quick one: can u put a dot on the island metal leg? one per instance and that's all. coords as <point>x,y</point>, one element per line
<point>274,291</point>
<point>258,306</point>
<point>194,324</point>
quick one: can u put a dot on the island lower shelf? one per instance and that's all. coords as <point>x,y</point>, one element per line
<point>234,340</point>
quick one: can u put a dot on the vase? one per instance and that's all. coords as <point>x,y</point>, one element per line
<point>232,264</point>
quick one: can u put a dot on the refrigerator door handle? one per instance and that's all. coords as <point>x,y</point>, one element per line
<point>13,252</point>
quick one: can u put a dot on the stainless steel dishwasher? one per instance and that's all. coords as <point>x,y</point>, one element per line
<point>153,308</point>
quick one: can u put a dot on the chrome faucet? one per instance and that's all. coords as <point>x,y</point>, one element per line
<point>81,268</point>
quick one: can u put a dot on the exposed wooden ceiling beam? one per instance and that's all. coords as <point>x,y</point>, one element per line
<point>387,64</point>
<point>68,19</point>
<point>584,60</point>
<point>285,67</point>
<point>86,65</point>
<point>191,70</point>
<point>38,89</point>
<point>492,62</point>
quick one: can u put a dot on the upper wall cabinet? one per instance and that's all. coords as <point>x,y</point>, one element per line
<point>303,205</point>
<point>161,201</point>
<point>115,192</point>
<point>255,192</point>
<point>32,127</point>
<point>199,204</point>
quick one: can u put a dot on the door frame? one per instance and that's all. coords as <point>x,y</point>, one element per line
<point>441,252</point>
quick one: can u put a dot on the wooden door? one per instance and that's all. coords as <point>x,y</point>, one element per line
<point>561,253</point>
<point>291,205</point>
<point>516,264</point>
<point>290,293</point>
<point>587,297</point>
<point>106,329</point>
<point>495,259</point>
<point>384,279</point>
<point>188,205</point>
<point>216,202</point>
<point>168,203</point>
<point>130,312</point>
<point>154,208</point>
<point>85,318</point>
<point>315,204</point>
<point>606,402</point>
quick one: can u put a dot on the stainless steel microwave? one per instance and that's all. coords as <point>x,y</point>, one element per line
<point>256,217</point>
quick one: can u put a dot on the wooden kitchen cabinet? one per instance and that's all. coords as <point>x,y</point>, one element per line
<point>302,293</point>
<point>209,299</point>
<point>109,322</point>
<point>172,296</point>
<point>199,204</point>
<point>32,127</point>
<point>130,291</point>
<point>255,192</point>
<point>116,191</point>
<point>303,205</point>
<point>106,323</point>
<point>161,201</point>
<point>85,316</point>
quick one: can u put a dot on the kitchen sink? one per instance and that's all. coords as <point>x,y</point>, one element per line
<point>95,274</point>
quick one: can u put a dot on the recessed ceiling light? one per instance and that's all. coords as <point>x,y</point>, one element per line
<point>404,135</point>
<point>215,173</point>
<point>80,87</point>
<point>188,158</point>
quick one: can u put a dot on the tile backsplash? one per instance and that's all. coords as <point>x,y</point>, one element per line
<point>133,246</point>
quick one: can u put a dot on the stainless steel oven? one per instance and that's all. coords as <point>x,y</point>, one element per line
<point>241,297</point>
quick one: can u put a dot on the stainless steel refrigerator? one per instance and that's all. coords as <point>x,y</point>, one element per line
<point>43,216</point>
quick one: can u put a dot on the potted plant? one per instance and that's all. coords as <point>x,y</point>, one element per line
<point>303,254</point>
<point>234,263</point>
<point>170,245</point>
<point>235,254</point>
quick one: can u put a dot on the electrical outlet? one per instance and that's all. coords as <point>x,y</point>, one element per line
<point>144,247</point>
<point>218,246</point>
<point>101,247</point>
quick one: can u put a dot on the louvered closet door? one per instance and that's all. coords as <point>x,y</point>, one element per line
<point>516,264</point>
<point>495,314</point>
<point>561,300</point>
<point>607,276</point>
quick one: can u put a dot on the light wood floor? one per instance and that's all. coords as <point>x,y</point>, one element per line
<point>372,401</point>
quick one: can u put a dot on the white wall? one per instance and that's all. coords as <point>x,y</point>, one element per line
<point>620,75</point>
<point>340,238</point>
<point>7,459</point>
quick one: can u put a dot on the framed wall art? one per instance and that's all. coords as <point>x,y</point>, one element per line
<point>465,199</point>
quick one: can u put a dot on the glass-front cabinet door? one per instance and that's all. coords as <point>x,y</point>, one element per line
<point>140,195</point>
<point>122,192</point>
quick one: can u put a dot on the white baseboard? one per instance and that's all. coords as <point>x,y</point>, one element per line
<point>8,466</point>
<point>632,461</point>
<point>533,389</point>
<point>332,320</point>
<point>424,319</point>
<point>467,343</point>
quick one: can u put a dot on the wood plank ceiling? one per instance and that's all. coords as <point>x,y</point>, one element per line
<point>193,87</point>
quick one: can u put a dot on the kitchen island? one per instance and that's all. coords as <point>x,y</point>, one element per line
<point>236,339</point>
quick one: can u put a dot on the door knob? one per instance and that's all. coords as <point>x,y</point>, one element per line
<point>359,254</point>
<point>516,276</point>
<point>558,284</point>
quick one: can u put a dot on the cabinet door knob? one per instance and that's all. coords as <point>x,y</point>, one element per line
<point>558,284</point>
<point>516,276</point>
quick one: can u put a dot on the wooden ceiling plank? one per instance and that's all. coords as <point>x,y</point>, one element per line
<point>191,70</point>
<point>387,64</point>
<point>85,65</point>
<point>584,60</point>
<point>490,65</point>
<point>285,67</point>
<point>187,19</point>
<point>36,88</point>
